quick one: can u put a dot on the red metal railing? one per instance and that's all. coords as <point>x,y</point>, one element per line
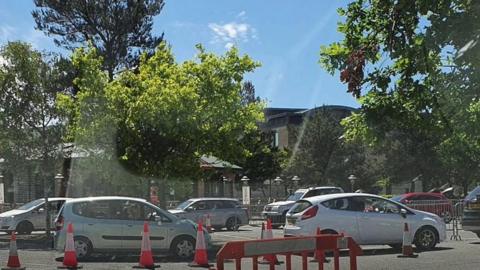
<point>288,247</point>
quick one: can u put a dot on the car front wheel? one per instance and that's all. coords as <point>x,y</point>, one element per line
<point>83,247</point>
<point>232,224</point>
<point>183,247</point>
<point>24,227</point>
<point>426,238</point>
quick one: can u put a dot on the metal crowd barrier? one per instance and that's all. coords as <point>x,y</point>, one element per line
<point>288,247</point>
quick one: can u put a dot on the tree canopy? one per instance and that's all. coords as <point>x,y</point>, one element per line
<point>414,65</point>
<point>166,115</point>
<point>29,83</point>
<point>119,29</point>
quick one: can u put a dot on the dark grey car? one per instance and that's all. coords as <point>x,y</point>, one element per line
<point>224,212</point>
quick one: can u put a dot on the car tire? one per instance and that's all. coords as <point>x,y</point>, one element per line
<point>83,247</point>
<point>183,247</point>
<point>24,227</point>
<point>426,238</point>
<point>232,224</point>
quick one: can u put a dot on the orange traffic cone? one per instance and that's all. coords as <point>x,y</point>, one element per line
<point>201,258</point>
<point>407,249</point>
<point>268,234</point>
<point>13,260</point>
<point>70,257</point>
<point>319,255</point>
<point>146,256</point>
<point>208,223</point>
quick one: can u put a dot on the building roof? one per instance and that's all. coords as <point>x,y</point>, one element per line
<point>216,163</point>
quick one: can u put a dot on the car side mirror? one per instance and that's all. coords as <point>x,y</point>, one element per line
<point>40,210</point>
<point>189,209</point>
<point>403,212</point>
<point>158,219</point>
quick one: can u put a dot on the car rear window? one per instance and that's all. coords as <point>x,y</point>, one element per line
<point>323,191</point>
<point>300,206</point>
<point>227,204</point>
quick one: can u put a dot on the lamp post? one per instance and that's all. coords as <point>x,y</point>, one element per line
<point>277,182</point>
<point>58,183</point>
<point>245,190</point>
<point>225,180</point>
<point>2,195</point>
<point>352,179</point>
<point>295,180</point>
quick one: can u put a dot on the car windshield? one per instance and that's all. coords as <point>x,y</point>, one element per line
<point>184,205</point>
<point>31,204</point>
<point>473,194</point>
<point>295,196</point>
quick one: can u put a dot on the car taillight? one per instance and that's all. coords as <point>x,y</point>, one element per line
<point>59,223</point>
<point>310,212</point>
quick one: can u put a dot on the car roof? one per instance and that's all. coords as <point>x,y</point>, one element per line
<point>322,198</point>
<point>105,198</point>
<point>212,199</point>
<point>423,193</point>
<point>55,199</point>
<point>316,188</point>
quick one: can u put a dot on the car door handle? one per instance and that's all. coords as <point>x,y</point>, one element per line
<point>130,225</point>
<point>90,224</point>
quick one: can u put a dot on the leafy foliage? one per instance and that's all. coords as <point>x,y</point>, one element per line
<point>160,120</point>
<point>415,67</point>
<point>120,30</point>
<point>29,83</point>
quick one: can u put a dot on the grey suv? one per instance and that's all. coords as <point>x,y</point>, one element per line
<point>276,211</point>
<point>115,224</point>
<point>224,212</point>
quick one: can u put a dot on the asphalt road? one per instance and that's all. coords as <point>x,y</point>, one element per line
<point>449,255</point>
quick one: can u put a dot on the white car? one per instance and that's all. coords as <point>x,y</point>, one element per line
<point>30,216</point>
<point>369,219</point>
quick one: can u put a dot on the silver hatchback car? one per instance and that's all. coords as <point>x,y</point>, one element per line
<point>224,212</point>
<point>30,216</point>
<point>115,225</point>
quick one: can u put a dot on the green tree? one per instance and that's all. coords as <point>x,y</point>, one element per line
<point>323,157</point>
<point>160,120</point>
<point>415,67</point>
<point>120,30</point>
<point>29,127</point>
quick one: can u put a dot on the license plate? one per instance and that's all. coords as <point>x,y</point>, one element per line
<point>291,221</point>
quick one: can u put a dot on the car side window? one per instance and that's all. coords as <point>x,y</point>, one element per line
<point>201,205</point>
<point>151,213</point>
<point>228,204</point>
<point>374,205</point>
<point>337,204</point>
<point>97,209</point>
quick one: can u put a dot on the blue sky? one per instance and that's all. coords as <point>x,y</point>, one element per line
<point>284,36</point>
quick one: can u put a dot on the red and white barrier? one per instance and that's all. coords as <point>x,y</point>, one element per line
<point>288,247</point>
